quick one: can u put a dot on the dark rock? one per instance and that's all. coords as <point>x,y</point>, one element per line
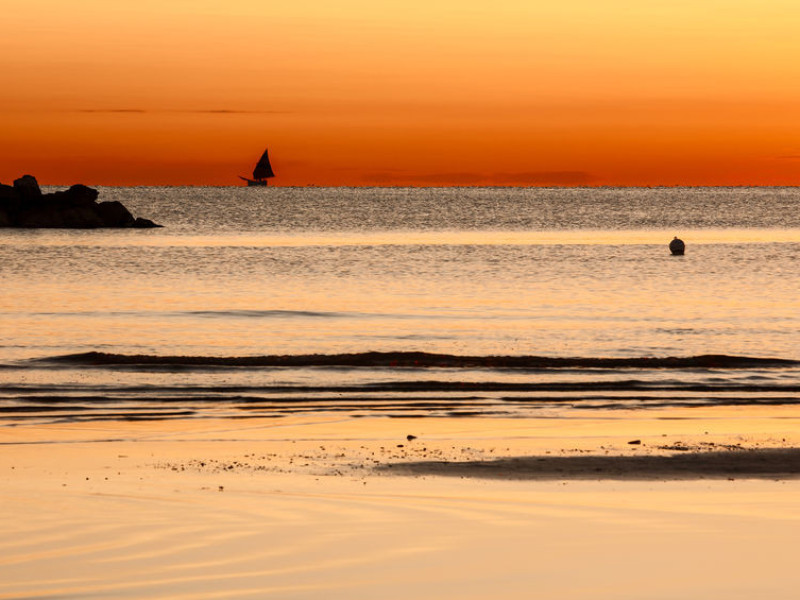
<point>82,217</point>
<point>24,205</point>
<point>83,194</point>
<point>41,216</point>
<point>677,247</point>
<point>28,188</point>
<point>141,223</point>
<point>77,195</point>
<point>10,201</point>
<point>7,192</point>
<point>114,214</point>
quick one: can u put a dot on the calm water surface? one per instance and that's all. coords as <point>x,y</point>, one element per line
<point>480,272</point>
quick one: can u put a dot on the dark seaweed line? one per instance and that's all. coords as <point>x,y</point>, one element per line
<point>421,360</point>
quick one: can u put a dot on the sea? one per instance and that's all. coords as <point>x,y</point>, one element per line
<point>403,302</point>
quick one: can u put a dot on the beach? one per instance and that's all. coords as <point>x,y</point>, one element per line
<point>357,393</point>
<point>314,507</point>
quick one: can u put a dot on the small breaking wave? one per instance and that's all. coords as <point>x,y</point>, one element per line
<point>267,314</point>
<point>222,314</point>
<point>420,360</point>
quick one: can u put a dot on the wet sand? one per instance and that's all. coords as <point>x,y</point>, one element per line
<point>688,464</point>
<point>705,505</point>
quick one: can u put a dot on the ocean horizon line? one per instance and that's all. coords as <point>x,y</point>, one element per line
<point>434,187</point>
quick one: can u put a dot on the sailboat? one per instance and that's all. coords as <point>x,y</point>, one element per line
<point>261,173</point>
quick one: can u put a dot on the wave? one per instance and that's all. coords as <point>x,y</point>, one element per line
<point>394,384</point>
<point>65,409</point>
<point>266,314</point>
<point>420,360</point>
<point>241,313</point>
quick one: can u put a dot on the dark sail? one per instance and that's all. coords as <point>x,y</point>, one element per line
<point>263,168</point>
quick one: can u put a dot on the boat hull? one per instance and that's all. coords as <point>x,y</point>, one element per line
<point>254,182</point>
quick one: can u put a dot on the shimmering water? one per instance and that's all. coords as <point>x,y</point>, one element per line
<point>481,272</point>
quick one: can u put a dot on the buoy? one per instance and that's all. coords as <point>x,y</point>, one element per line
<point>677,247</point>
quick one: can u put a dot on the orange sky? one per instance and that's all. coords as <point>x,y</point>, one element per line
<point>412,92</point>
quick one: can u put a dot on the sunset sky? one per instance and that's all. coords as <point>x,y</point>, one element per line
<point>412,92</point>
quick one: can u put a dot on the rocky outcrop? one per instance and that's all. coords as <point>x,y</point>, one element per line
<point>24,205</point>
<point>28,189</point>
